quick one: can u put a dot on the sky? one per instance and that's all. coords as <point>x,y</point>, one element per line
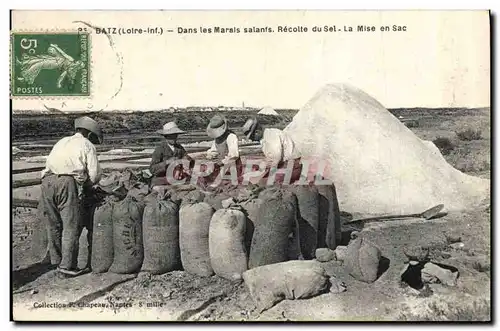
<point>441,60</point>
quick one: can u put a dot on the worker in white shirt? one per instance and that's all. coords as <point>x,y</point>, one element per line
<point>72,168</point>
<point>224,149</point>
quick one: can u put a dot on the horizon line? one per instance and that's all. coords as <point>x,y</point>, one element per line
<point>218,108</point>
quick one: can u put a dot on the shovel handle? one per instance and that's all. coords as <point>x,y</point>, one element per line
<point>383,217</point>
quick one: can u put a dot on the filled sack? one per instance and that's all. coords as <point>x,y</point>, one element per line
<point>362,260</point>
<point>127,236</point>
<point>228,255</point>
<point>160,232</point>
<point>291,280</point>
<point>329,226</point>
<point>194,226</point>
<point>250,203</point>
<point>276,219</point>
<point>102,235</point>
<point>308,200</point>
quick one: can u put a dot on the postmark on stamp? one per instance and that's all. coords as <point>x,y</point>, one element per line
<point>50,64</point>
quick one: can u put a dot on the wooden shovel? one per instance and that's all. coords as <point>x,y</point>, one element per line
<point>428,214</point>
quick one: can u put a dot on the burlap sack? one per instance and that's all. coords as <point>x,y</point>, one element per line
<point>290,280</point>
<point>228,255</point>
<point>161,235</point>
<point>127,236</point>
<point>362,260</point>
<point>194,227</point>
<point>102,236</point>
<point>251,208</point>
<point>275,221</point>
<point>329,228</point>
<point>308,200</point>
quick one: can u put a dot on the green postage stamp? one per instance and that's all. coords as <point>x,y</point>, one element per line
<point>50,64</point>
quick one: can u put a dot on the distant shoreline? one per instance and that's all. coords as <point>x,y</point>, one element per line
<point>215,110</point>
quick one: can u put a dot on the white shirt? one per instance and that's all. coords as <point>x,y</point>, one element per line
<point>76,156</point>
<point>232,148</point>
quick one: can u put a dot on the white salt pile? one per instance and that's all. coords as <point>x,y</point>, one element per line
<point>378,165</point>
<point>268,111</point>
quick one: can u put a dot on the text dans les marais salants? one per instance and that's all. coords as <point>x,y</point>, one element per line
<point>291,29</point>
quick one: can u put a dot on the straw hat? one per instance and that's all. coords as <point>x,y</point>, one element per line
<point>217,126</point>
<point>88,123</point>
<point>170,128</point>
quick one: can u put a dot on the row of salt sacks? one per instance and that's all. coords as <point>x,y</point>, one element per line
<point>162,236</point>
<point>167,257</point>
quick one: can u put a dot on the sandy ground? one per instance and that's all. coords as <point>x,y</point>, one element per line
<point>180,296</point>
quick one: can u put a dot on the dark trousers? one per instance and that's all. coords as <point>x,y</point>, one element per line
<point>65,216</point>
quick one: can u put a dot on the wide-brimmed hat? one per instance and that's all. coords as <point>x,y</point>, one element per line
<point>170,128</point>
<point>249,127</point>
<point>88,123</point>
<point>217,126</point>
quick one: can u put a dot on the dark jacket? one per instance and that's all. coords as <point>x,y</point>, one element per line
<point>159,161</point>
